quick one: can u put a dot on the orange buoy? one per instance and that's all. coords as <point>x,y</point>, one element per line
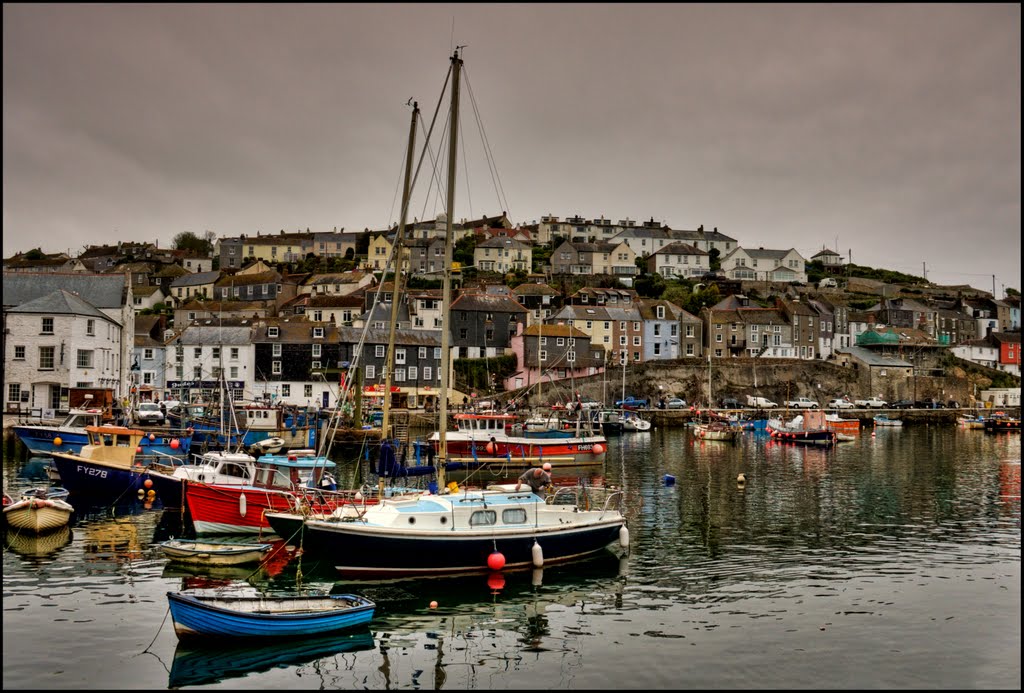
<point>598,448</point>
<point>57,441</point>
<point>496,561</point>
<point>148,483</point>
<point>433,605</point>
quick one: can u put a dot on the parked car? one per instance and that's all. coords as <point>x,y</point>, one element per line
<point>871,403</point>
<point>675,403</point>
<point>902,404</point>
<point>760,402</point>
<point>929,404</point>
<point>841,403</point>
<point>802,403</point>
<point>631,403</point>
<point>730,403</point>
<point>149,413</point>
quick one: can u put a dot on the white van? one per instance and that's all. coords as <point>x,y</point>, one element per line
<point>760,402</point>
<point>828,283</point>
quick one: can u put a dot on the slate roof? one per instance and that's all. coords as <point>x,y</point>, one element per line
<point>487,303</point>
<point>873,359</point>
<point>61,302</point>
<point>196,279</point>
<point>103,290</point>
<point>403,337</point>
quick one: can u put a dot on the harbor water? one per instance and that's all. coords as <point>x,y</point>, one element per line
<point>892,561</point>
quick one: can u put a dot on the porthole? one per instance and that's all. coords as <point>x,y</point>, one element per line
<point>444,520</point>
<point>412,520</point>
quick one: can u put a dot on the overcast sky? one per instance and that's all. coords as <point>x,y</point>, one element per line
<point>892,132</point>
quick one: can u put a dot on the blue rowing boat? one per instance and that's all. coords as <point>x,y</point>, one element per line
<point>204,615</point>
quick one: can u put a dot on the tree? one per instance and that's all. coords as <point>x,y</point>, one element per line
<point>463,251</point>
<point>186,240</point>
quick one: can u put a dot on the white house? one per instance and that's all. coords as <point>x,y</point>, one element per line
<point>759,264</point>
<point>54,342</point>
<point>679,260</point>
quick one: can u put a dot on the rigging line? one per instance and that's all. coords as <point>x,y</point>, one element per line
<point>465,169</point>
<point>488,152</point>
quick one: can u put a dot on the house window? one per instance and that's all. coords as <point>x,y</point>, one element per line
<point>234,372</point>
<point>19,353</point>
<point>413,373</point>
<point>234,353</point>
<point>273,331</point>
<point>399,375</point>
<point>84,358</point>
<point>191,316</point>
<point>197,372</point>
<point>14,392</point>
<point>318,332</point>
<point>571,356</point>
<point>636,341</point>
<point>275,349</point>
<point>90,327</point>
<point>46,358</point>
<point>378,351</point>
<point>422,352</point>
<point>275,367</point>
<point>689,330</point>
<point>147,354</point>
<point>689,349</point>
<point>47,325</point>
<point>560,341</point>
<point>463,333</point>
<point>437,353</point>
<point>543,355</point>
<point>399,355</point>
<point>216,353</point>
<point>427,373</point>
<point>197,352</point>
<point>371,372</point>
<point>316,350</point>
<point>286,390</point>
<point>307,391</point>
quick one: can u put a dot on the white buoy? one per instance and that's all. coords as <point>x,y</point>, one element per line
<point>241,505</point>
<point>538,577</point>
<point>358,496</point>
<point>741,478</point>
<point>623,537</point>
<point>538,555</point>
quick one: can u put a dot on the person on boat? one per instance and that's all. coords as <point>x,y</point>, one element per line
<point>327,482</point>
<point>536,478</point>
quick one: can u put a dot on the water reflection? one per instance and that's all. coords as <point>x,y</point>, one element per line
<point>34,546</point>
<point>900,551</point>
<point>206,663</point>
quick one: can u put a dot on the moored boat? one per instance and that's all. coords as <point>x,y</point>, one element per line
<point>1002,424</point>
<point>224,616</point>
<point>884,421</point>
<point>804,429</point>
<point>458,532</point>
<point>834,422</point>
<point>213,553</point>
<point>716,430</point>
<point>111,466</point>
<point>37,513</point>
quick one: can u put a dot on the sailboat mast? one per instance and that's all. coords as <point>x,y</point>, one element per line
<point>389,359</point>
<point>446,296</point>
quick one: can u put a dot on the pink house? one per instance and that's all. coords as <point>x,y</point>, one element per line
<point>560,351</point>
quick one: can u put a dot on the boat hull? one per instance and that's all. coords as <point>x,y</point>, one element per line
<point>1002,425</point>
<point>223,509</point>
<point>361,551</point>
<point>82,476</point>
<point>262,617</point>
<point>42,440</point>
<point>38,515</point>
<point>582,451</point>
<point>815,436</point>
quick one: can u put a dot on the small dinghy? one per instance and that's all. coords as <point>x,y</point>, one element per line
<point>37,512</point>
<point>213,553</point>
<point>202,615</point>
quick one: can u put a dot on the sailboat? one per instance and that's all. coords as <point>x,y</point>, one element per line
<point>459,532</point>
<point>711,426</point>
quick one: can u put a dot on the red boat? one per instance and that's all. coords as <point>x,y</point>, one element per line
<point>482,438</point>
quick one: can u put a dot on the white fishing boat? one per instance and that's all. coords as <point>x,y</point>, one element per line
<point>38,513</point>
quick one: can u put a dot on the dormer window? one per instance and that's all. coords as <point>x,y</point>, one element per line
<point>273,331</point>
<point>318,332</point>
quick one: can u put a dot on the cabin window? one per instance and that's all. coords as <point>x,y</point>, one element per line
<point>513,516</point>
<point>482,518</point>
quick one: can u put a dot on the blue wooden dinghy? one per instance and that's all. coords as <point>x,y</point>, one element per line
<point>204,615</point>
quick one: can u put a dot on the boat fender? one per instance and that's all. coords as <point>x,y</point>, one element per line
<point>538,555</point>
<point>241,505</point>
<point>624,537</point>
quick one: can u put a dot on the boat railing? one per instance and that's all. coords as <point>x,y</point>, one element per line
<point>587,497</point>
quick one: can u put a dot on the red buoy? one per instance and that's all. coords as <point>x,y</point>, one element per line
<point>598,448</point>
<point>174,443</point>
<point>490,448</point>
<point>496,561</point>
